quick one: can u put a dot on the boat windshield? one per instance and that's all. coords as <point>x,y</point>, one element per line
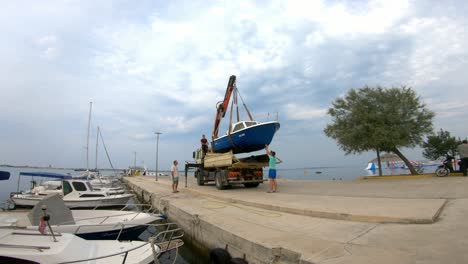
<point>238,127</point>
<point>66,188</point>
<point>90,187</point>
<point>79,186</point>
<point>250,123</point>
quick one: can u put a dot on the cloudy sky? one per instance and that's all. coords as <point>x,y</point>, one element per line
<point>163,65</point>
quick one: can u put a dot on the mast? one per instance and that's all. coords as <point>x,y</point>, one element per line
<point>87,138</point>
<point>97,141</point>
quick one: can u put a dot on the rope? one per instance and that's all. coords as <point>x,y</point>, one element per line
<point>220,205</point>
<point>230,127</point>
<point>107,153</point>
<point>176,254</point>
<point>245,106</point>
<point>155,255</point>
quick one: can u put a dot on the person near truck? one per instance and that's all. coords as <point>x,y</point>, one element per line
<point>273,160</point>
<point>175,176</point>
<point>463,152</point>
<point>204,145</point>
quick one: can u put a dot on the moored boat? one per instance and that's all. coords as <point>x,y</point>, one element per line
<point>76,194</point>
<point>32,247</point>
<point>88,224</point>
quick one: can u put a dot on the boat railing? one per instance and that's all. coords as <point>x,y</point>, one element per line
<point>105,218</point>
<point>169,238</point>
<point>166,227</point>
<point>38,248</point>
<point>150,208</point>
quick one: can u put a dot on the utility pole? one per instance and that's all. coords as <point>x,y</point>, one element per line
<point>157,149</point>
<point>87,137</point>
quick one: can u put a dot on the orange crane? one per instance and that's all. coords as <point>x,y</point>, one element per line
<point>223,105</point>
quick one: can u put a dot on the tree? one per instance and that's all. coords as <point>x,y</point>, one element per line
<point>379,119</point>
<point>439,145</point>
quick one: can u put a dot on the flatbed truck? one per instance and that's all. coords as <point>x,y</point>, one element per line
<point>225,169</point>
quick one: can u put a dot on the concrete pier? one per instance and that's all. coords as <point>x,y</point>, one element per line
<point>391,221</point>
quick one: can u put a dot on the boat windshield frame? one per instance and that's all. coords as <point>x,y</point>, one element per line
<point>242,125</point>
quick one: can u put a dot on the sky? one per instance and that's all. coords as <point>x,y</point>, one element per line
<point>163,65</point>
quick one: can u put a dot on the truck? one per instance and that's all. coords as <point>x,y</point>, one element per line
<point>225,169</point>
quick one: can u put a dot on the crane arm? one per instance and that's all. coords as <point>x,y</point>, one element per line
<point>222,106</point>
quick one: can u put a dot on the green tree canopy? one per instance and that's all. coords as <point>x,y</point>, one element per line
<point>379,119</point>
<point>439,145</point>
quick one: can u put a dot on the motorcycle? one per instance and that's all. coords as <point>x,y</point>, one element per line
<point>446,167</point>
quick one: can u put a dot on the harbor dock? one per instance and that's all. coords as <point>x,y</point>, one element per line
<point>421,220</point>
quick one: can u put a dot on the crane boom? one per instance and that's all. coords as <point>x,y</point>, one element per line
<point>223,105</point>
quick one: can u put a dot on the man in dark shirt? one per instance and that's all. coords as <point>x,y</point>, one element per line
<point>463,152</point>
<point>204,145</point>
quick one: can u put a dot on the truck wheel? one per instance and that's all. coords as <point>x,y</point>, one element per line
<point>200,177</point>
<point>251,184</point>
<point>219,182</point>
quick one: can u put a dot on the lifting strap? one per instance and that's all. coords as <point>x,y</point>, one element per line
<point>245,106</point>
<point>230,123</point>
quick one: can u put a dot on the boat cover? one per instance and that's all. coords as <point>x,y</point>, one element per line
<point>46,175</point>
<point>59,213</point>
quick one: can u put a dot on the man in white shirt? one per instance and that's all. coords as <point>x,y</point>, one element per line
<point>175,177</point>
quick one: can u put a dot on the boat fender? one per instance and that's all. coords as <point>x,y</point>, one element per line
<point>220,256</point>
<point>163,216</point>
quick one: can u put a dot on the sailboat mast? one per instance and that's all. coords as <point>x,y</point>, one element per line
<point>87,138</point>
<point>97,141</point>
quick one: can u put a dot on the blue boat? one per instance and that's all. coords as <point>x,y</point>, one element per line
<point>246,136</point>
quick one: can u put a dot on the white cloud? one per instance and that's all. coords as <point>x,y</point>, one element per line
<point>374,17</point>
<point>49,46</point>
<point>164,65</point>
<point>303,112</point>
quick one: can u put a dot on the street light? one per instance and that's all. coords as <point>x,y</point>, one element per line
<point>134,160</point>
<point>157,147</point>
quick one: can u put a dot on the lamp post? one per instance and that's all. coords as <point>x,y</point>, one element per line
<point>157,148</point>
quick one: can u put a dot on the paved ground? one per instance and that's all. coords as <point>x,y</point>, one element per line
<point>339,221</point>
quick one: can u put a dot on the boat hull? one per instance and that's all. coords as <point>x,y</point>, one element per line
<point>110,201</point>
<point>247,140</point>
<point>31,247</point>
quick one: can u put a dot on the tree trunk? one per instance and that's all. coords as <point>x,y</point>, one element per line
<point>407,162</point>
<point>379,162</point>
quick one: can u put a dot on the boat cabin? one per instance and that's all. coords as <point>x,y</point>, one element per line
<point>78,186</point>
<point>242,125</point>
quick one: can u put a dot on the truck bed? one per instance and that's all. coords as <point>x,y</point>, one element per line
<point>228,159</point>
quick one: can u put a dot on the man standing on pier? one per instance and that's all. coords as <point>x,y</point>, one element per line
<point>272,169</point>
<point>175,177</point>
<point>463,152</point>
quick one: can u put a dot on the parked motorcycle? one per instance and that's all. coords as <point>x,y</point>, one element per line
<point>446,167</point>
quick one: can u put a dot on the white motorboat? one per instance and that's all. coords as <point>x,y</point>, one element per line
<point>76,194</point>
<point>49,187</point>
<point>32,247</point>
<point>88,224</point>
